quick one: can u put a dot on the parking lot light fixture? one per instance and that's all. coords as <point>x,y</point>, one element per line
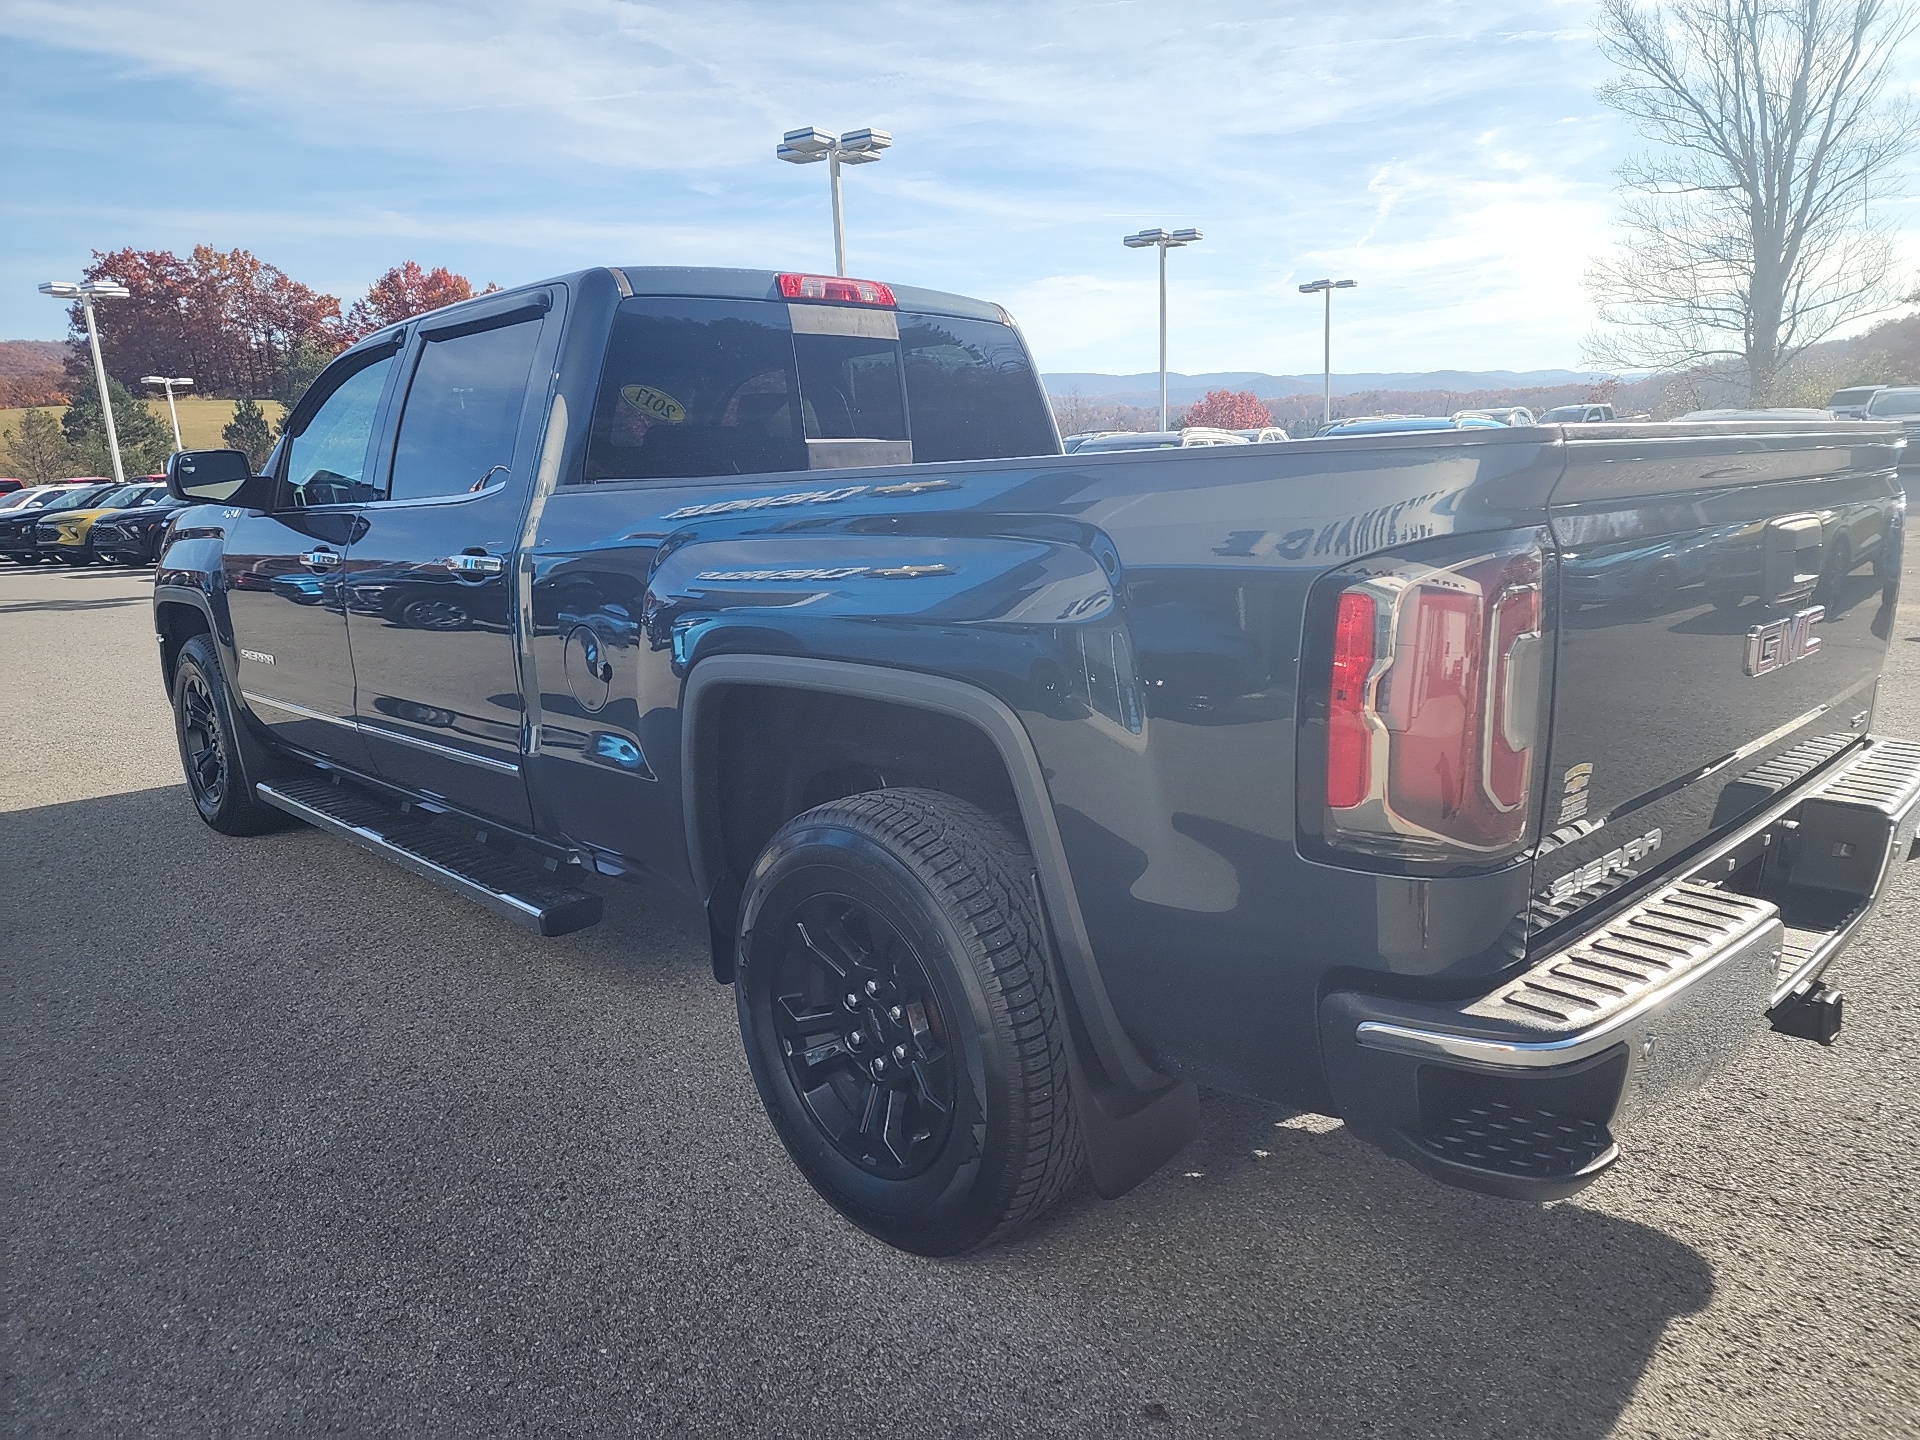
<point>1326,288</point>
<point>185,382</point>
<point>86,292</point>
<point>856,147</point>
<point>1162,240</point>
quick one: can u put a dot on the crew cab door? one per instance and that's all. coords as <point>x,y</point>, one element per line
<point>429,592</point>
<point>284,566</point>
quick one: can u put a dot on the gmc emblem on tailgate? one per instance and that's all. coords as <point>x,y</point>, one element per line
<point>1780,643</point>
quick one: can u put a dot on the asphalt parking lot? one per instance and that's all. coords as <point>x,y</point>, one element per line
<point>297,1142</point>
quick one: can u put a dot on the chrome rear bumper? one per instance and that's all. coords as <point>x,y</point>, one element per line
<point>1648,1003</point>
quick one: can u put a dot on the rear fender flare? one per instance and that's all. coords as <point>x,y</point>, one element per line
<point>1134,1116</point>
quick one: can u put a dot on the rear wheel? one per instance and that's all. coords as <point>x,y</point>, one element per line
<point>900,1021</point>
<point>220,760</point>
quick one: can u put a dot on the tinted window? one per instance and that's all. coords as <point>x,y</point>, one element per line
<point>327,460</point>
<point>1895,402</point>
<point>696,387</point>
<point>971,391</point>
<point>124,496</point>
<point>78,499</point>
<point>850,387</point>
<point>463,411</point>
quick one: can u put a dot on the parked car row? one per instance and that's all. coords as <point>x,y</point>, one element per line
<point>77,522</point>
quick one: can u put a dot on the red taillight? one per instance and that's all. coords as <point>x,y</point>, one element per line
<point>1349,739</point>
<point>836,288</point>
<point>1433,703</point>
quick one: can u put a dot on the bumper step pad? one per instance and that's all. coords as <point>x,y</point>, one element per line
<point>502,881</point>
<point>1522,1141</point>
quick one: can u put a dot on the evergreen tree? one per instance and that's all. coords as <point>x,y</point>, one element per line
<point>37,452</point>
<point>304,361</point>
<point>250,432</point>
<point>145,443</point>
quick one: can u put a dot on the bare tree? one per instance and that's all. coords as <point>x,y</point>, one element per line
<point>1752,233</point>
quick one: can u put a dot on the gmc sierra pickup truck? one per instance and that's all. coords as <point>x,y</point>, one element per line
<point>1479,787</point>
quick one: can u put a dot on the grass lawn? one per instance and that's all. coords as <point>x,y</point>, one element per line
<point>201,420</point>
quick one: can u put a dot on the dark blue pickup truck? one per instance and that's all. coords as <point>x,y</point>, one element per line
<point>1477,787</point>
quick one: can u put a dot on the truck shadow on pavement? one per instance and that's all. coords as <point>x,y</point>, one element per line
<point>301,1142</point>
<point>20,607</point>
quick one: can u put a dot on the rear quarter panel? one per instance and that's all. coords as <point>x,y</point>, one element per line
<point>1139,612</point>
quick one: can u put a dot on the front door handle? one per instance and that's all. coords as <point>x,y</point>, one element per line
<point>476,564</point>
<point>320,559</point>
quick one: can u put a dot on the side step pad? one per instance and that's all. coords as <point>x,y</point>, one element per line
<point>503,883</point>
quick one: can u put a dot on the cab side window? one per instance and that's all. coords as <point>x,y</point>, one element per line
<point>462,414</point>
<point>328,457</point>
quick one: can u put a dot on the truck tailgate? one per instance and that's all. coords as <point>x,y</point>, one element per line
<point>1725,604</point>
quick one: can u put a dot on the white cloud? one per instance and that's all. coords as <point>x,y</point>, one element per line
<point>1448,155</point>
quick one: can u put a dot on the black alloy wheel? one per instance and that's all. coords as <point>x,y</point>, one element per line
<point>202,748</point>
<point>863,1036</point>
<point>220,760</point>
<point>899,1018</point>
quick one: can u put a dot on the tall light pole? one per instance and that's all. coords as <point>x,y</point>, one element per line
<point>1164,241</point>
<point>184,382</point>
<point>1326,288</point>
<point>856,147</point>
<point>86,292</point>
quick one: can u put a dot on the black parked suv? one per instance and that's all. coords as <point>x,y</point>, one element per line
<point>133,536</point>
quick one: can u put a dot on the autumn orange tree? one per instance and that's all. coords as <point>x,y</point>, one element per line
<point>405,291</point>
<point>1229,410</point>
<point>225,317</point>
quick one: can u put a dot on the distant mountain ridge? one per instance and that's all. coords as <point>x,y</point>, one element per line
<point>1185,389</point>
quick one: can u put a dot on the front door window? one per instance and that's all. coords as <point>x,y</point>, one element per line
<point>327,460</point>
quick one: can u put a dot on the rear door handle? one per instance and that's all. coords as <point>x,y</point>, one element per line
<point>471,564</point>
<point>320,559</point>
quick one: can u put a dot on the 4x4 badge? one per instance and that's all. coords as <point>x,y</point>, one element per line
<point>1781,642</point>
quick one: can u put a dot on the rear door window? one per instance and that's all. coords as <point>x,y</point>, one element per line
<point>972,391</point>
<point>697,387</point>
<point>463,411</point>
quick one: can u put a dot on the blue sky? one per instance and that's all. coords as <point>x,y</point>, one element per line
<point>1450,157</point>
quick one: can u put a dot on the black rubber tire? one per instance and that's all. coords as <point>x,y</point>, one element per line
<point>229,806</point>
<point>955,885</point>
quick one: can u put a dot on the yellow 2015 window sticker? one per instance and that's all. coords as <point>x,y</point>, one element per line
<point>654,404</point>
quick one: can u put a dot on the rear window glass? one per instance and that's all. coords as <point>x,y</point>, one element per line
<point>697,387</point>
<point>1895,402</point>
<point>971,391</point>
<point>850,388</point>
